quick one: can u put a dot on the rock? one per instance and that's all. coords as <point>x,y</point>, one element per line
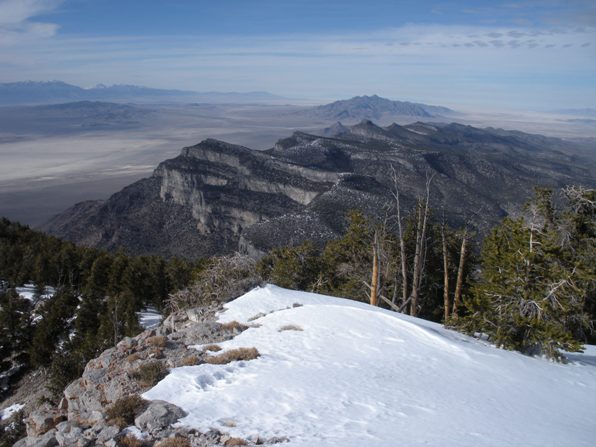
<point>158,416</point>
<point>68,434</point>
<point>108,433</point>
<point>46,440</point>
<point>43,420</point>
<point>126,343</point>
<point>195,315</point>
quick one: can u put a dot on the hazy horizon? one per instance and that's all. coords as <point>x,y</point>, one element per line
<point>525,55</point>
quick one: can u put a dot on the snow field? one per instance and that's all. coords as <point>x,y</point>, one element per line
<point>362,376</point>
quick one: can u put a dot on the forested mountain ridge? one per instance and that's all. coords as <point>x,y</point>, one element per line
<point>217,198</point>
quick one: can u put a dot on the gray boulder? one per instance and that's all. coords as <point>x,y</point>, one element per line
<point>46,440</point>
<point>158,415</point>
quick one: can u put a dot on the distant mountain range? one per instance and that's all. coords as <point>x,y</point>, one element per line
<point>217,197</point>
<point>349,111</point>
<point>29,93</point>
<point>374,108</point>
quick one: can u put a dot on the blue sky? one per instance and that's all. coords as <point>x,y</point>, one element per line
<point>495,55</point>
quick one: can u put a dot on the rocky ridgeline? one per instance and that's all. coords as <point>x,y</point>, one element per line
<point>83,417</point>
<point>217,198</point>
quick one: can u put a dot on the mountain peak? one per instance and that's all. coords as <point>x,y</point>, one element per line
<point>376,108</point>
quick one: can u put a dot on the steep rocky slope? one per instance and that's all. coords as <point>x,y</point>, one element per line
<point>217,197</point>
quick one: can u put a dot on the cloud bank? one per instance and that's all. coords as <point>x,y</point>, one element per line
<point>520,66</point>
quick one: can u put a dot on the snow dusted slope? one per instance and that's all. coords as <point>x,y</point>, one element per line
<point>361,376</point>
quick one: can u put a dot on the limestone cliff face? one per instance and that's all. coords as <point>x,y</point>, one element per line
<point>216,197</point>
<point>228,188</point>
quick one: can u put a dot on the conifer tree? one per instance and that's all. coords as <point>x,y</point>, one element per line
<point>536,282</point>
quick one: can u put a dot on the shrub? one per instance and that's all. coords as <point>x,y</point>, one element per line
<point>190,360</point>
<point>235,442</point>
<point>123,412</point>
<point>290,327</point>
<point>212,348</point>
<point>224,279</point>
<point>133,357</point>
<point>158,341</point>
<point>130,441</point>
<point>150,373</point>
<point>173,442</point>
<point>233,326</point>
<point>233,355</point>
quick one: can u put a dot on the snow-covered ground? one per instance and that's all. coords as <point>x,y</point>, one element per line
<point>28,292</point>
<point>149,318</point>
<point>362,376</point>
<point>9,411</point>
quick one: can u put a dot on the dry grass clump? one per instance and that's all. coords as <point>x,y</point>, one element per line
<point>212,348</point>
<point>158,341</point>
<point>233,326</point>
<point>173,442</point>
<point>235,442</point>
<point>133,357</point>
<point>233,355</point>
<point>290,327</point>
<point>130,441</point>
<point>190,360</point>
<point>150,373</point>
<point>122,413</point>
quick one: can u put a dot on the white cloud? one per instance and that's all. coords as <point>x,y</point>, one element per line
<point>17,24</point>
<point>432,63</point>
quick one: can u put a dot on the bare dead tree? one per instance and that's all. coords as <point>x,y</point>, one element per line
<point>421,224</point>
<point>446,304</point>
<point>374,284</point>
<point>460,273</point>
<point>400,235</point>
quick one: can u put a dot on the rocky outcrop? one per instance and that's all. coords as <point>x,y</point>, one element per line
<point>158,416</point>
<point>216,198</point>
<point>83,418</point>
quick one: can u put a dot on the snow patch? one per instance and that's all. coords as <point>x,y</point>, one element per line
<point>27,292</point>
<point>149,318</point>
<point>363,376</point>
<point>9,411</point>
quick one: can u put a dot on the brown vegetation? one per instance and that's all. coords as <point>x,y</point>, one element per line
<point>150,373</point>
<point>122,413</point>
<point>212,348</point>
<point>234,326</point>
<point>233,355</point>
<point>173,442</point>
<point>133,357</point>
<point>130,441</point>
<point>190,360</point>
<point>159,341</point>
<point>235,442</point>
<point>290,327</point>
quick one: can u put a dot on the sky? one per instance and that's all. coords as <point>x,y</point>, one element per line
<point>526,54</point>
